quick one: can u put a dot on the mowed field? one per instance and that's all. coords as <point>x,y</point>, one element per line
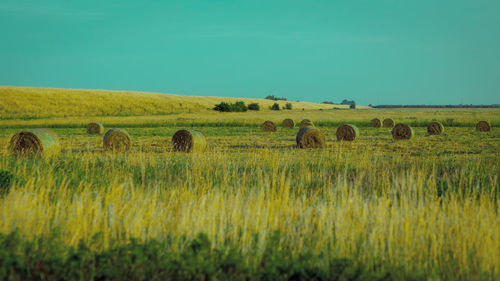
<point>252,206</point>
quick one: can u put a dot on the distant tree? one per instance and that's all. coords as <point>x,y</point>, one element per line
<point>223,107</point>
<point>275,106</point>
<point>239,106</point>
<point>272,97</point>
<point>254,106</point>
<point>352,105</point>
<point>348,102</point>
<point>288,106</point>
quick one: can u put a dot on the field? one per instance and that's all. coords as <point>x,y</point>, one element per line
<point>253,206</point>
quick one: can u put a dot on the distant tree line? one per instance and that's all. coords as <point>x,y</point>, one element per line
<point>436,106</point>
<point>276,106</point>
<point>272,97</point>
<point>238,106</point>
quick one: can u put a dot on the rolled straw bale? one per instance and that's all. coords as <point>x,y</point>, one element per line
<point>33,142</point>
<point>117,140</point>
<point>483,126</point>
<point>310,137</point>
<point>402,132</point>
<point>388,123</point>
<point>269,126</point>
<point>375,122</point>
<point>305,123</point>
<point>189,141</point>
<point>347,132</point>
<point>435,128</point>
<point>288,123</point>
<point>95,128</point>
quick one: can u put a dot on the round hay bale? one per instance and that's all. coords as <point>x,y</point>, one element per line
<point>269,126</point>
<point>388,123</point>
<point>95,128</point>
<point>117,140</point>
<point>288,123</point>
<point>310,137</point>
<point>483,126</point>
<point>402,132</point>
<point>306,123</point>
<point>33,142</point>
<point>189,141</point>
<point>375,123</point>
<point>435,128</point>
<point>347,132</point>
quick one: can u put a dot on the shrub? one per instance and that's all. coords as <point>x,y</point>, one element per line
<point>254,106</point>
<point>238,106</point>
<point>223,107</point>
<point>288,106</point>
<point>275,106</point>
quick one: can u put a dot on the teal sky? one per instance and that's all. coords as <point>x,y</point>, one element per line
<point>372,51</point>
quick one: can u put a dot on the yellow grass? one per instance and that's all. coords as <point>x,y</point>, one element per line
<point>21,102</point>
<point>406,224</point>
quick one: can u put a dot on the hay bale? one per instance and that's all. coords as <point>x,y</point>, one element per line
<point>435,128</point>
<point>402,132</point>
<point>189,141</point>
<point>306,123</point>
<point>33,142</point>
<point>269,126</point>
<point>375,123</point>
<point>310,137</point>
<point>288,123</point>
<point>483,126</point>
<point>117,140</point>
<point>95,128</point>
<point>388,123</point>
<point>347,132</point>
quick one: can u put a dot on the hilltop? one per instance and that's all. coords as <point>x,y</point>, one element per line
<point>31,102</point>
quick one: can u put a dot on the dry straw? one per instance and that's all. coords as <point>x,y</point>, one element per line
<point>268,126</point>
<point>402,132</point>
<point>33,142</point>
<point>95,128</point>
<point>375,123</point>
<point>483,126</point>
<point>435,128</point>
<point>117,140</point>
<point>388,123</point>
<point>189,141</point>
<point>310,137</point>
<point>306,123</point>
<point>288,123</point>
<point>347,132</point>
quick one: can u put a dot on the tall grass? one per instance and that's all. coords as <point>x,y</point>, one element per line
<point>426,214</point>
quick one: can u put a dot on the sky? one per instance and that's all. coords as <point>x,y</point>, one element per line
<point>370,51</point>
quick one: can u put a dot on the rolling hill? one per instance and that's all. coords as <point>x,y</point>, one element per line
<point>31,102</point>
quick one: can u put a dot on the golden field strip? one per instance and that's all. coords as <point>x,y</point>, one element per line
<point>430,204</point>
